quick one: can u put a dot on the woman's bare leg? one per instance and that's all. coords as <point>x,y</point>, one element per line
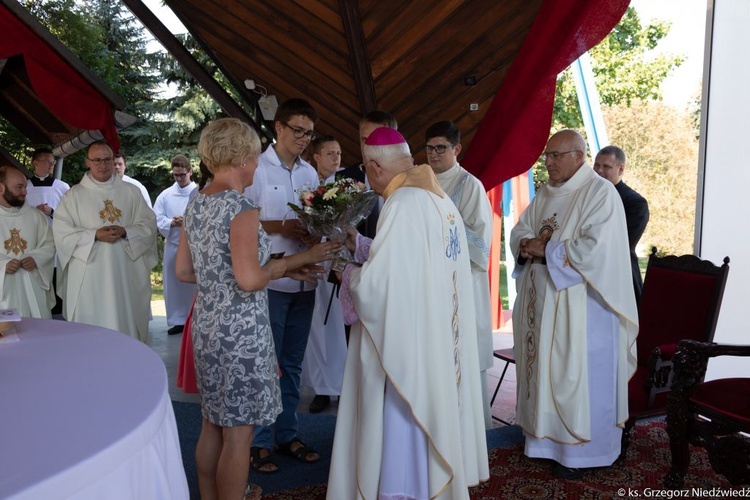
<point>234,461</point>
<point>207,453</point>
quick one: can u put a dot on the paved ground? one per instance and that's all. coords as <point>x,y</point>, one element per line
<point>168,348</point>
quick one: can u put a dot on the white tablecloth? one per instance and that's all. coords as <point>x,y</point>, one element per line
<point>85,413</point>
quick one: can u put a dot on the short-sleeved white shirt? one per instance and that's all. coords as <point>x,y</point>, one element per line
<point>274,185</point>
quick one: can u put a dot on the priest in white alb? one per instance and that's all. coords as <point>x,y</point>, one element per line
<point>169,208</point>
<point>409,421</point>
<point>443,145</point>
<point>105,235</point>
<point>28,252</point>
<point>574,320</point>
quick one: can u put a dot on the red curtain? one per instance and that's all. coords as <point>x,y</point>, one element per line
<point>66,93</point>
<point>516,127</point>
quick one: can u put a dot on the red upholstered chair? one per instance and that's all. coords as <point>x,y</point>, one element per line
<point>681,300</point>
<point>713,414</point>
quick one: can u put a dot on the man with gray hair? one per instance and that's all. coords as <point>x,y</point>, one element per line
<point>574,319</point>
<point>610,164</point>
<point>409,422</point>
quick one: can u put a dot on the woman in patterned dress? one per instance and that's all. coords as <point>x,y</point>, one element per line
<point>225,250</point>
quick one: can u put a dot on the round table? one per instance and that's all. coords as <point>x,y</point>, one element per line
<point>85,413</point>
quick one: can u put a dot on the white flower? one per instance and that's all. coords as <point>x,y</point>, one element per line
<point>331,193</point>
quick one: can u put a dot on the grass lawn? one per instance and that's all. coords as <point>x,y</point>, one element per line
<point>157,289</point>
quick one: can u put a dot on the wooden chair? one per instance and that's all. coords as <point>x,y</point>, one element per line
<point>712,415</point>
<point>681,300</point>
<point>507,356</point>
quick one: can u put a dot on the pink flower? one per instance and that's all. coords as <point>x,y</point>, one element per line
<point>307,198</point>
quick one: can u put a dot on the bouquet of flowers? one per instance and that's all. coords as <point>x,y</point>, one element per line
<point>331,209</point>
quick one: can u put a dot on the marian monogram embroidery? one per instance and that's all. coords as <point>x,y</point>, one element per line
<point>549,226</point>
<point>110,213</point>
<point>15,244</point>
<point>453,248</point>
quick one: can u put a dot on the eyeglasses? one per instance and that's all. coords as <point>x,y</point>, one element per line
<point>555,155</point>
<point>100,161</point>
<point>48,162</point>
<point>439,149</point>
<point>299,133</point>
<point>178,176</point>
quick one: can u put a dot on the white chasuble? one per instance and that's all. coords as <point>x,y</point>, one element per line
<point>106,284</point>
<point>414,299</point>
<point>553,320</point>
<point>469,195</point>
<point>25,232</point>
<point>178,296</point>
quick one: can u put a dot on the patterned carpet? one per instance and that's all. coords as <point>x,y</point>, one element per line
<point>513,476</point>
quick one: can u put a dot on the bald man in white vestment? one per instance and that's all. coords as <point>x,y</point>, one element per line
<point>105,235</point>
<point>409,423</point>
<point>28,252</point>
<point>574,319</point>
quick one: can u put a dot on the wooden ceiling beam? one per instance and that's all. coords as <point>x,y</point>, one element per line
<point>184,57</point>
<point>355,39</point>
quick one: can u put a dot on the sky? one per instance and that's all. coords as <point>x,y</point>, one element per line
<point>686,38</point>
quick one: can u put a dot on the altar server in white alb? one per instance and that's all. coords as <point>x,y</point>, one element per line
<point>443,145</point>
<point>574,320</point>
<point>409,421</point>
<point>43,190</point>
<point>323,364</point>
<point>28,252</point>
<point>105,235</point>
<point>169,208</point>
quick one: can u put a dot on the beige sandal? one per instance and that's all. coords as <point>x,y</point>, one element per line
<point>253,492</point>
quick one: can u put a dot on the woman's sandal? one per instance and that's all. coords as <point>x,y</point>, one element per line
<point>300,453</point>
<point>257,462</point>
<point>253,492</point>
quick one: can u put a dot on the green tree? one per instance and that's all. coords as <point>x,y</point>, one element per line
<point>624,72</point>
<point>623,69</point>
<point>112,44</point>
<point>662,151</point>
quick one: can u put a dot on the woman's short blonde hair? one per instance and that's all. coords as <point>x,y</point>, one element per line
<point>227,142</point>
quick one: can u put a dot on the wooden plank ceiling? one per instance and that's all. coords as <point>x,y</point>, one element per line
<point>348,57</point>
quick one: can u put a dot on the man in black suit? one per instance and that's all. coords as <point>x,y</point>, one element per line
<point>367,124</point>
<point>610,164</point>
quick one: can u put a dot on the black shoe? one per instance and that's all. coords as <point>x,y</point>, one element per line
<point>320,403</point>
<point>569,473</point>
<point>176,329</point>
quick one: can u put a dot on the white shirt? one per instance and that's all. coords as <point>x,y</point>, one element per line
<point>274,185</point>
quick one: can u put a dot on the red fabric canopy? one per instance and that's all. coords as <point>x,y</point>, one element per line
<point>516,127</point>
<point>65,92</point>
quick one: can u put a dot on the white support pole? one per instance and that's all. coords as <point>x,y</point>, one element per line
<point>588,99</point>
